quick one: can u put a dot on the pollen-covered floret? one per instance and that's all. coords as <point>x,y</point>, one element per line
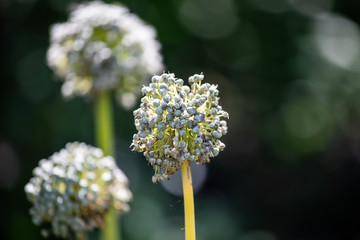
<point>101,47</point>
<point>177,122</point>
<point>74,189</point>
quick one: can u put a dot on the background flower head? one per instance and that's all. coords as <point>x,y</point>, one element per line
<point>177,122</point>
<point>74,189</point>
<point>103,46</point>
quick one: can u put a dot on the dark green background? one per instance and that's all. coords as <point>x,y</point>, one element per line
<point>289,79</point>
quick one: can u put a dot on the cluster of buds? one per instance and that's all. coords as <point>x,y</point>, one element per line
<point>102,47</point>
<point>74,189</point>
<point>176,122</point>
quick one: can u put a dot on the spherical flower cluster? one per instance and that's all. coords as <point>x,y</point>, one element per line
<point>101,47</point>
<point>177,122</point>
<point>74,189</point>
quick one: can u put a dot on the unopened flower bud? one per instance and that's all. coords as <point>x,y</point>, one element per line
<point>72,201</point>
<point>190,125</point>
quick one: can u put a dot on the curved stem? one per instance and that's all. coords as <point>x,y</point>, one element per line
<point>188,201</point>
<point>105,140</point>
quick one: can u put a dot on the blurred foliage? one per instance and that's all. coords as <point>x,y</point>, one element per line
<point>288,75</point>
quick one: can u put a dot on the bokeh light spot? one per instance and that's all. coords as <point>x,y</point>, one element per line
<point>337,39</point>
<point>311,7</point>
<point>174,184</point>
<point>209,19</point>
<point>304,117</point>
<point>275,6</point>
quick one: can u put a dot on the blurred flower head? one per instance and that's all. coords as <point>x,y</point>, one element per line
<point>177,122</point>
<point>74,189</point>
<point>102,47</point>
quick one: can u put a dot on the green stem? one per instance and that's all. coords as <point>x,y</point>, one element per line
<point>105,140</point>
<point>104,123</point>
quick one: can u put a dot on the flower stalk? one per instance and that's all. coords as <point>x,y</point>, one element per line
<point>104,123</point>
<point>178,124</point>
<point>188,201</point>
<point>105,140</point>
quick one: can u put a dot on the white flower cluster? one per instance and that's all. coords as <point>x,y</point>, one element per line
<point>104,46</point>
<point>74,189</point>
<point>177,122</point>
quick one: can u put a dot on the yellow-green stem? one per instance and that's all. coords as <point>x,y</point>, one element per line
<point>104,123</point>
<point>188,201</point>
<point>105,140</point>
